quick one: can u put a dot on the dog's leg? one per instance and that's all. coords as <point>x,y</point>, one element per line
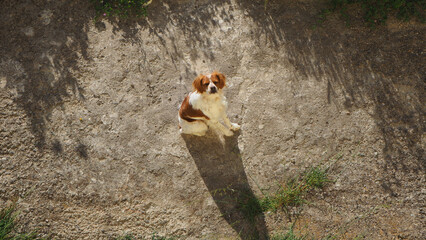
<point>198,128</point>
<point>229,124</point>
<point>218,125</point>
<point>195,128</point>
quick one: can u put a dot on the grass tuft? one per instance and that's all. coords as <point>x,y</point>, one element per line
<point>8,224</point>
<point>316,178</point>
<point>289,194</point>
<point>292,193</point>
<point>121,8</point>
<point>376,12</point>
<point>126,237</point>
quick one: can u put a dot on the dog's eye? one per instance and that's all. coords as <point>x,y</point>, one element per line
<point>216,82</point>
<point>206,84</point>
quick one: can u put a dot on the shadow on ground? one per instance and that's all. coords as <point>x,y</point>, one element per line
<point>195,20</point>
<point>378,70</point>
<point>41,43</point>
<point>220,165</point>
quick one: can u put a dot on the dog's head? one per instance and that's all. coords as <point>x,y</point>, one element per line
<point>210,84</point>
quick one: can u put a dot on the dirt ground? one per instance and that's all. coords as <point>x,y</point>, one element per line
<point>89,143</point>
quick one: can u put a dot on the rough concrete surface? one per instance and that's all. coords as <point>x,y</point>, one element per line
<point>89,143</point>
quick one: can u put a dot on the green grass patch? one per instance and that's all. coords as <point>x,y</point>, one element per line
<point>126,237</point>
<point>292,193</point>
<point>376,12</point>
<point>7,222</point>
<point>8,217</point>
<point>289,194</point>
<point>315,178</point>
<point>121,8</point>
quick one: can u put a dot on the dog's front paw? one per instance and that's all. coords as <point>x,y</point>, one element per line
<point>235,127</point>
<point>228,133</point>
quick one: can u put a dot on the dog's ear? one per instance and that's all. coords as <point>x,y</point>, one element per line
<point>198,83</point>
<point>221,78</point>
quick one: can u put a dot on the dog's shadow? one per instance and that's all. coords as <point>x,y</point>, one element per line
<point>220,165</point>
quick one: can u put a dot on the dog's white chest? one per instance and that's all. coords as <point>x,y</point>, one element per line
<point>213,107</point>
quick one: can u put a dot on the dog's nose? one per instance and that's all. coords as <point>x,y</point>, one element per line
<point>213,90</point>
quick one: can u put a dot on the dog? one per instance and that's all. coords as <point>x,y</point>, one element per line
<point>205,107</point>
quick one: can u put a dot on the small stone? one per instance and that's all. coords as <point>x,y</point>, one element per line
<point>28,31</point>
<point>46,16</point>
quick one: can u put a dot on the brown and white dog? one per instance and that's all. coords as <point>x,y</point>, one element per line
<point>205,107</point>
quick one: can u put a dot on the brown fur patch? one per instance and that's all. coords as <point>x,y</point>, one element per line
<point>187,112</point>
<point>221,78</point>
<point>200,82</point>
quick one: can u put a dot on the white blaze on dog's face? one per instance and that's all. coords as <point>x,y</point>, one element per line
<point>210,84</point>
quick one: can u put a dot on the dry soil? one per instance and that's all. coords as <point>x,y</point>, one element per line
<point>89,142</point>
